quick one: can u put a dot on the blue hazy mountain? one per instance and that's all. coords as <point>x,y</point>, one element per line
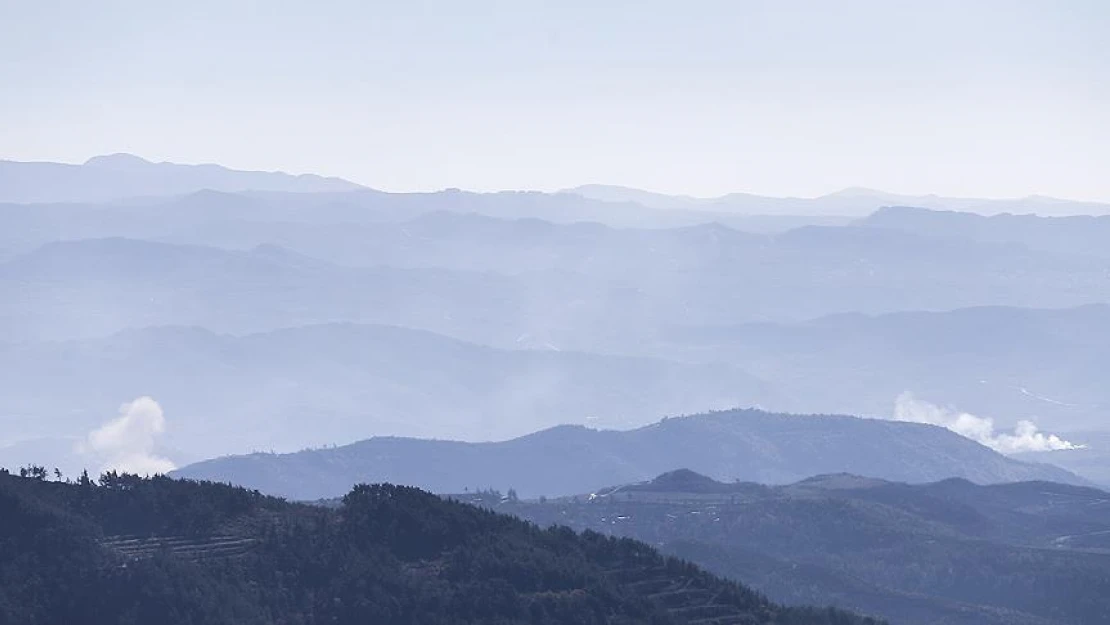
<point>585,286</point>
<point>853,201</point>
<point>324,384</point>
<point>1077,234</point>
<point>120,176</point>
<point>1001,362</point>
<point>747,445</point>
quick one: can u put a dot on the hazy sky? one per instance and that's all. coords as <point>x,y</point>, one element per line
<point>968,97</point>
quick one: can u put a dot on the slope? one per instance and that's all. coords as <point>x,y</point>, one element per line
<point>333,383</point>
<point>739,444</point>
<point>1001,362</point>
<point>129,550</point>
<point>946,552</point>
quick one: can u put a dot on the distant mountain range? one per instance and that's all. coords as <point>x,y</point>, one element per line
<point>566,299</point>
<point>121,176</point>
<point>746,445</point>
<point>946,552</point>
<point>337,382</point>
<point>679,307</point>
<point>315,385</point>
<point>115,177</point>
<point>580,287</point>
<point>204,215</point>
<point>1005,363</point>
<point>141,283</point>
<point>854,201</point>
<point>1080,234</point>
<point>1092,461</point>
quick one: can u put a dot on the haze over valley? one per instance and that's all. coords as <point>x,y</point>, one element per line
<point>280,320</point>
<point>555,313</point>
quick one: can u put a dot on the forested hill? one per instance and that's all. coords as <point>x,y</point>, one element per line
<point>951,552</point>
<point>126,550</point>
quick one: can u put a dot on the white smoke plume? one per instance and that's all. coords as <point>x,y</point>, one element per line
<point>1025,437</point>
<point>127,442</point>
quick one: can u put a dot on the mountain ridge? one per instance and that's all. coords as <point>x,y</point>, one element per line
<point>121,176</point>
<point>114,177</point>
<point>317,384</point>
<point>1067,234</point>
<point>748,445</point>
<point>850,201</point>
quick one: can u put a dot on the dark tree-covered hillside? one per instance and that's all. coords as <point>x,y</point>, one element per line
<point>127,550</point>
<point>951,552</point>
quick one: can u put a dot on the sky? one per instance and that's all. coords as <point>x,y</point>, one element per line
<point>985,98</point>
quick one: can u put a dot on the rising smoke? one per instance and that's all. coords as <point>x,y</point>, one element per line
<point>1025,437</point>
<point>127,443</point>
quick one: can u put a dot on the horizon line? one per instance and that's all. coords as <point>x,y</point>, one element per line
<point>576,189</point>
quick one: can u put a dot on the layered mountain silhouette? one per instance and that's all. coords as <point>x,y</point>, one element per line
<point>114,177</point>
<point>674,306</point>
<point>584,289</point>
<point>120,176</point>
<point>1000,362</point>
<point>944,552</point>
<point>854,201</point>
<point>1078,234</point>
<point>309,386</point>
<point>552,294</point>
<point>746,445</point>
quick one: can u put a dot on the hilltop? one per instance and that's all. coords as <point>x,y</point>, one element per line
<point>749,445</point>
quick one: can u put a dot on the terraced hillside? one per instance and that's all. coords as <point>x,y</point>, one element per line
<point>183,547</point>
